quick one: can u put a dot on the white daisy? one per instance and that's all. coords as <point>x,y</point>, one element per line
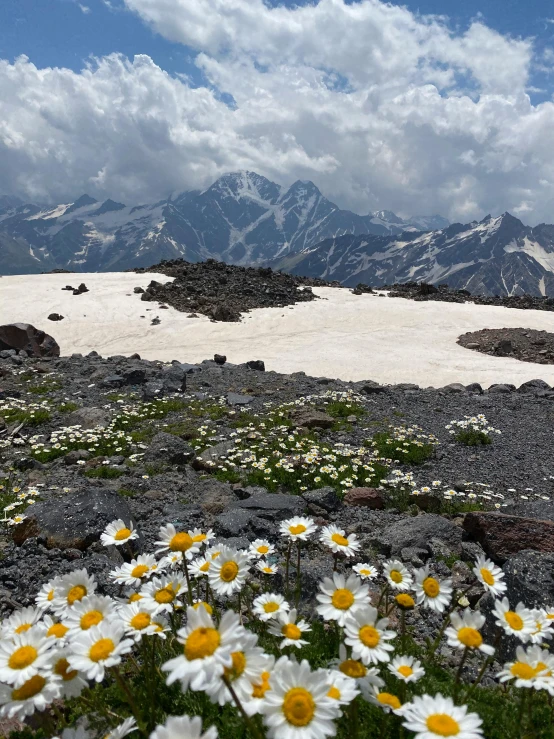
<point>58,629</point>
<point>134,572</point>
<point>207,649</point>
<point>88,612</point>
<point>227,573</point>
<point>368,636</point>
<point>430,592</point>
<point>297,706</point>
<point>297,528</point>
<point>199,567</point>
<point>183,727</point>
<point>465,631</point>
<point>519,623</point>
<point>543,627</point>
<point>436,717</point>
<point>201,537</point>
<point>162,594</point>
<point>339,597</point>
<point>177,541</point>
<point>398,576</point>
<point>406,668</point>
<point>341,688</point>
<point>365,571</point>
<point>269,605</point>
<point>528,667</point>
<point>45,595</point>
<point>25,655</point>
<point>334,538</point>
<point>20,621</point>
<point>170,561</point>
<point>354,669</point>
<point>266,568</point>
<point>125,728</point>
<point>137,621</point>
<point>490,576</point>
<point>118,533</point>
<point>386,701</point>
<point>72,683</point>
<point>261,548</point>
<point>72,588</point>
<point>100,647</point>
<point>288,627</point>
<point>35,694</point>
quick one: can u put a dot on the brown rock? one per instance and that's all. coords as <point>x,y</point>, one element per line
<point>24,336</point>
<point>503,535</point>
<point>309,419</point>
<point>367,497</point>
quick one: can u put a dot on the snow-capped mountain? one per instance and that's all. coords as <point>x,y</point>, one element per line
<point>243,218</point>
<point>496,256</point>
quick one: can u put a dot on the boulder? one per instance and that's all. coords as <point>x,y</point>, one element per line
<point>370,387</point>
<point>326,498</point>
<point>88,418</point>
<point>502,535</point>
<point>25,337</point>
<point>275,506</point>
<point>238,399</point>
<point>169,449</point>
<point>531,386</point>
<point>453,388</point>
<point>55,317</point>
<point>75,521</point>
<point>256,364</point>
<point>220,358</point>
<point>366,497</point>
<point>501,388</point>
<point>418,531</point>
<point>529,576</point>
<point>206,459</point>
<point>474,387</point>
<point>310,419</point>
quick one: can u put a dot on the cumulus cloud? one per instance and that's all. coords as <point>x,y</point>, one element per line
<point>382,108</point>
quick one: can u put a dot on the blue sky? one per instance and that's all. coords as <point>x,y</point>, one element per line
<point>66,32</point>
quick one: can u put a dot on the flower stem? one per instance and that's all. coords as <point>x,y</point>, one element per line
<point>130,699</point>
<point>287,563</point>
<point>189,591</point>
<point>297,595</point>
<point>252,728</point>
<point>459,673</point>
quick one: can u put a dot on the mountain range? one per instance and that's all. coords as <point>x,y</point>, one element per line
<point>243,218</point>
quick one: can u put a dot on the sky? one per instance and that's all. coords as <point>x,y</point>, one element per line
<point>424,107</point>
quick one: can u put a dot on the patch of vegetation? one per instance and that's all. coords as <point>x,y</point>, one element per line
<point>104,472</point>
<point>473,438</point>
<point>127,492</point>
<point>67,407</point>
<point>472,430</point>
<point>16,410</point>
<point>406,445</point>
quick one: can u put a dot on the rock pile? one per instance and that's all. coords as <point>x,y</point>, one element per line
<point>223,292</point>
<point>525,344</point>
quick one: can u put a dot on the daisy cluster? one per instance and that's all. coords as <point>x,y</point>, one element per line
<point>100,440</point>
<point>19,500</point>
<point>197,617</point>
<point>405,444</point>
<point>18,410</point>
<point>472,430</point>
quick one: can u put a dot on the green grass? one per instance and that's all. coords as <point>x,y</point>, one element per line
<point>412,452</point>
<point>341,409</point>
<point>31,418</point>
<point>127,492</point>
<point>473,438</point>
<point>67,407</point>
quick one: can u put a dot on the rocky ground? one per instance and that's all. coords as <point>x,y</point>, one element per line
<point>524,344</point>
<point>424,291</point>
<point>223,292</point>
<point>166,428</point>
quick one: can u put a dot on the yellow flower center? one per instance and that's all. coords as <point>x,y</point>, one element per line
<point>299,707</point>
<point>353,668</point>
<point>205,567</point>
<point>201,643</point>
<point>268,570</point>
<point>405,671</point>
<point>22,658</point>
<point>487,576</point>
<point>263,549</point>
<point>291,631</point>
<point>514,621</point>
<point>369,636</point>
<point>298,529</point>
<point>523,670</point>
<point>62,668</point>
<point>396,576</point>
<point>340,540</point>
<point>388,699</point>
<point>165,595</point>
<point>443,724</point>
<point>21,629</point>
<point>101,650</point>
<point>365,572</point>
<point>342,599</point>
<point>261,689</point>
<point>29,689</point>
<point>50,595</point>
<point>122,534</point>
<point>229,571</point>
<point>334,693</point>
<point>238,667</point>
<point>207,606</point>
<point>271,607</point>
<point>91,619</point>
<point>134,597</point>
<point>198,537</point>
<point>405,601</point>
<point>140,621</point>
<point>431,587</point>
<point>469,637</point>
<point>181,542</point>
<point>57,630</point>
<point>77,592</point>
<point>139,571</point>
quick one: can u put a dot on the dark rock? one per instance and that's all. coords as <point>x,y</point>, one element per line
<point>501,388</point>
<point>169,449</point>
<point>220,358</point>
<point>82,288</point>
<point>474,387</point>
<point>25,337</point>
<point>256,364</point>
<point>367,497</point>
<point>454,387</point>
<point>503,535</point>
<point>138,290</point>
<point>529,576</point>
<point>134,376</point>
<point>74,521</point>
<point>532,386</point>
<point>233,522</point>
<point>418,531</point>
<point>55,317</point>
<point>153,390</point>
<point>310,419</point>
<point>113,381</point>
<point>238,399</point>
<point>369,387</point>
<point>88,418</point>
<point>276,506</point>
<point>504,348</point>
<point>207,459</point>
<point>76,456</point>
<point>326,498</point>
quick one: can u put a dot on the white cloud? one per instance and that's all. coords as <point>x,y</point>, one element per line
<point>380,107</point>
<point>85,9</point>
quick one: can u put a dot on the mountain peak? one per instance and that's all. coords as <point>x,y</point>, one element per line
<point>81,202</point>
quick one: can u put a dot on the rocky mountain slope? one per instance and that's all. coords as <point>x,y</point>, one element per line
<point>495,256</point>
<point>243,218</point>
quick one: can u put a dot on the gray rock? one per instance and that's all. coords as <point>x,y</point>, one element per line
<point>113,381</point>
<point>310,419</point>
<point>370,387</point>
<point>205,460</point>
<point>416,556</point>
<point>75,521</point>
<point>539,509</point>
<point>418,531</point>
<point>233,522</point>
<point>529,576</point>
<point>453,387</point>
<point>531,386</point>
<point>256,364</point>
<point>501,388</point>
<point>76,456</point>
<point>24,336</point>
<point>238,399</point>
<point>88,418</point>
<point>169,449</point>
<point>276,506</point>
<point>474,387</point>
<point>326,498</point>
<point>153,390</point>
<point>134,376</point>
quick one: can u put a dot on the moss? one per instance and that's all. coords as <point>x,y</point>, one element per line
<point>67,407</point>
